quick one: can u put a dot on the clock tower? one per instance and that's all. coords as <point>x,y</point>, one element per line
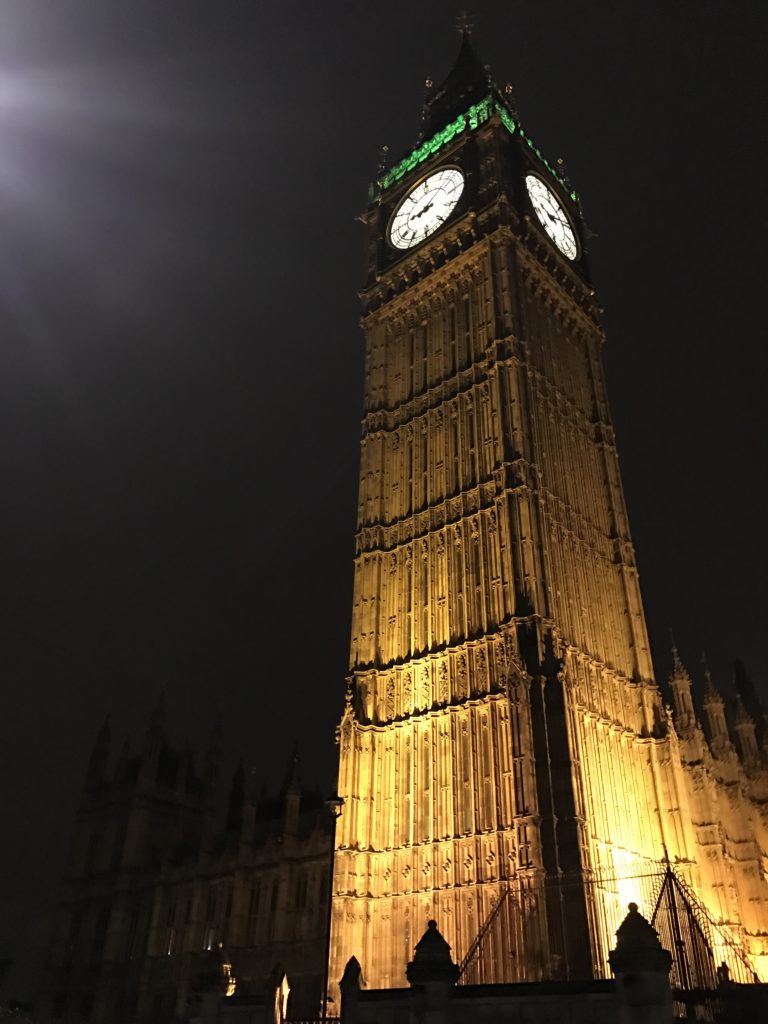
<point>507,765</point>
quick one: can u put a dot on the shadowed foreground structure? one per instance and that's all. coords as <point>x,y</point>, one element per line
<point>168,884</point>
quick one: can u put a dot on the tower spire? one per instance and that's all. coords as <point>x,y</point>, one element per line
<point>680,684</point>
<point>467,82</point>
<point>465,23</point>
<point>714,710</point>
<point>746,689</point>
<point>746,733</point>
<point>677,665</point>
<point>711,692</point>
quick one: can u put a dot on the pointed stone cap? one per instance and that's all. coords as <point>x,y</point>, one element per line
<point>679,671</point>
<point>432,960</point>
<point>638,947</point>
<point>711,692</point>
<point>352,978</point>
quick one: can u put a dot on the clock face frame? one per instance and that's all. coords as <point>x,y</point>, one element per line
<point>552,217</point>
<point>425,208</point>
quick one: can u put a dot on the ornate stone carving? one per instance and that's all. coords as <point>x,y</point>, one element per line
<point>443,683</point>
<point>390,697</point>
<point>407,691</point>
<point>426,687</point>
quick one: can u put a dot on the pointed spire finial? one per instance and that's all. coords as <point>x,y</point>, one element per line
<point>465,24</point>
<point>678,669</point>
<point>710,689</point>
<point>383,160</point>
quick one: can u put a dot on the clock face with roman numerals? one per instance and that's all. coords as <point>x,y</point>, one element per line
<point>426,208</point>
<point>552,216</point>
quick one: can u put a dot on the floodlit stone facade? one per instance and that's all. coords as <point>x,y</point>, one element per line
<point>504,737</point>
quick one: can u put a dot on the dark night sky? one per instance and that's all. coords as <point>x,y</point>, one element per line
<point>181,366</point>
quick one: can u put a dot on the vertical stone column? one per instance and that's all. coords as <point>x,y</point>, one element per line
<point>641,967</point>
<point>350,990</point>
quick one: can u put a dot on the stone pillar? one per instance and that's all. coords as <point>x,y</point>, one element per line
<point>432,974</point>
<point>641,967</point>
<point>350,984</point>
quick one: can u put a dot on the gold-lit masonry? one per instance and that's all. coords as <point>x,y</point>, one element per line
<point>504,738</point>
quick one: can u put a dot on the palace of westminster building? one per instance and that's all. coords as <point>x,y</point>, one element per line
<point>507,763</point>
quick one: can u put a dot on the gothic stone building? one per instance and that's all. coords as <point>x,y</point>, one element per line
<point>504,738</point>
<point>165,876</point>
<point>508,765</point>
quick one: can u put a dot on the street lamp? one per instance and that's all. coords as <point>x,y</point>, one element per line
<point>334,803</point>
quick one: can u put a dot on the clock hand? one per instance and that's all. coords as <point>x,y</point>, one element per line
<point>423,210</point>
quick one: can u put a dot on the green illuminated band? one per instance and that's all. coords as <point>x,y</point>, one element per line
<point>477,114</point>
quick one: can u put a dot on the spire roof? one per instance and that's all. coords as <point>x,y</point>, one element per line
<point>711,692</point>
<point>432,959</point>
<point>638,947</point>
<point>635,932</point>
<point>679,671</point>
<point>467,82</point>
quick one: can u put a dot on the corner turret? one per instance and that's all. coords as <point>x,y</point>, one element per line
<point>714,711</point>
<point>746,734</point>
<point>746,689</point>
<point>681,686</point>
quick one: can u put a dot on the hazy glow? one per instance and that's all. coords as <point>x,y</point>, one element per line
<point>552,216</point>
<point>426,208</point>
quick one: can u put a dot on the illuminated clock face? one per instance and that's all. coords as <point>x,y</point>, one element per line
<point>426,208</point>
<point>552,216</point>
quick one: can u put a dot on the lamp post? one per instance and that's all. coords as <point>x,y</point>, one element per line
<point>334,804</point>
